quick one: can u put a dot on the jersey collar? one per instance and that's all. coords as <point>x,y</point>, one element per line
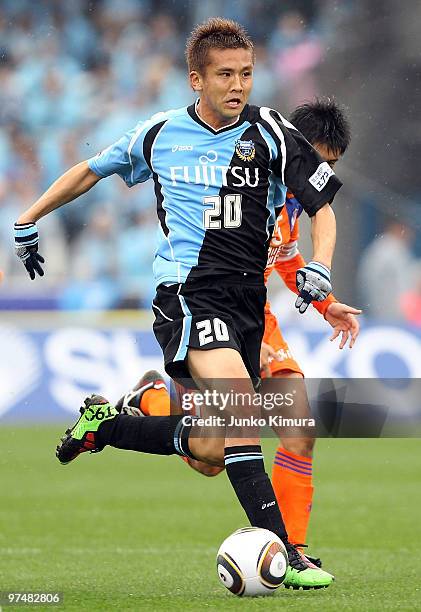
<point>192,110</point>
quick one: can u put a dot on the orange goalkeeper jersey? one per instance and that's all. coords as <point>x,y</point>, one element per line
<point>283,255</point>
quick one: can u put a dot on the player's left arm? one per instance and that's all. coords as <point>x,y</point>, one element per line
<point>289,260</point>
<point>313,280</point>
<point>323,235</point>
<point>287,269</point>
<point>314,184</point>
<point>341,317</point>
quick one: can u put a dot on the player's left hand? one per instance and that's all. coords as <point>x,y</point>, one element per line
<point>313,284</point>
<point>343,320</point>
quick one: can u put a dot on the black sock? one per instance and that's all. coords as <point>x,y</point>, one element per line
<point>246,471</point>
<point>167,435</point>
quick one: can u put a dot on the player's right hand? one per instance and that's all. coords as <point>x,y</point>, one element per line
<point>26,247</point>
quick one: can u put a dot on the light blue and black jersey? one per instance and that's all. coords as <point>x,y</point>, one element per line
<point>216,189</point>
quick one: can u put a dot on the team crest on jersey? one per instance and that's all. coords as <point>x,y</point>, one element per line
<point>245,149</point>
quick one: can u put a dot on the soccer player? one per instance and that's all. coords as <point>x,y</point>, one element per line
<point>325,125</point>
<point>215,165</point>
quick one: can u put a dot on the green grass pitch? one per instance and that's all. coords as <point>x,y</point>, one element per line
<point>122,531</point>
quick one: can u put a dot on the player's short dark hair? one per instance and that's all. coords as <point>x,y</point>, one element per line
<point>215,33</point>
<point>323,121</point>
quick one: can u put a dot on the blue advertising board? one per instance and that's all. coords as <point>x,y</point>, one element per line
<point>45,373</point>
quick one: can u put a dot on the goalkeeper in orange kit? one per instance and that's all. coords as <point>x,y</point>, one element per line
<point>326,127</point>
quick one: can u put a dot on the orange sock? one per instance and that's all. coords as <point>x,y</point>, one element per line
<point>155,402</point>
<point>292,483</point>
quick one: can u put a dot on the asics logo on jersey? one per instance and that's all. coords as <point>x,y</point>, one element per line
<point>215,176</point>
<point>245,150</point>
<point>181,148</point>
<point>210,157</point>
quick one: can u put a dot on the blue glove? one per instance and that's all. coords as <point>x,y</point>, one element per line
<point>313,284</point>
<point>26,247</point>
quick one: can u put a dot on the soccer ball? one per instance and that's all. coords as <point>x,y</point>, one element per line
<point>252,561</point>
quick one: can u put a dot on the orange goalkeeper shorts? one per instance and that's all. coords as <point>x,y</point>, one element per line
<point>274,338</point>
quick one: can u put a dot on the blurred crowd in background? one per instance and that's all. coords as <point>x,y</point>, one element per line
<point>76,75</point>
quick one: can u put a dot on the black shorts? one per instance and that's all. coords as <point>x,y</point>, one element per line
<point>223,312</point>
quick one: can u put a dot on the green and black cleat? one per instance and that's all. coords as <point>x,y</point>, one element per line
<point>302,574</point>
<point>83,436</point>
<point>314,560</point>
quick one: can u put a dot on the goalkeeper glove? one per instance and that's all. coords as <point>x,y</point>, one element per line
<point>313,284</point>
<point>26,247</point>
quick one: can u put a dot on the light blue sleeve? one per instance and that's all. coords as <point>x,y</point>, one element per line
<point>124,157</point>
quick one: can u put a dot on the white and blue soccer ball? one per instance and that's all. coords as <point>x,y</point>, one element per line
<point>252,561</point>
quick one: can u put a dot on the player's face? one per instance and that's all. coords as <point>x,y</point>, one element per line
<point>330,156</point>
<point>225,86</point>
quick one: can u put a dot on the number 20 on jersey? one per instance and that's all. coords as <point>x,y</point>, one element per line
<point>230,217</point>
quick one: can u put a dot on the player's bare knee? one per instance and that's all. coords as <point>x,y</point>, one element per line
<point>205,469</point>
<point>299,446</point>
<point>208,450</point>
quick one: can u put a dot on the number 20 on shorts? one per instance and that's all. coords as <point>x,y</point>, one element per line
<point>212,329</point>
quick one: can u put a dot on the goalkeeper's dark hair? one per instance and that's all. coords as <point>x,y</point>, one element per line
<point>323,121</point>
<point>215,33</point>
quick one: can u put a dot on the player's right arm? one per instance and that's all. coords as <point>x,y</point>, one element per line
<point>124,158</point>
<point>72,184</point>
<point>68,187</point>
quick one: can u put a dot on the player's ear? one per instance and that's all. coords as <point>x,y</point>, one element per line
<point>195,81</point>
